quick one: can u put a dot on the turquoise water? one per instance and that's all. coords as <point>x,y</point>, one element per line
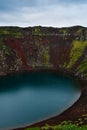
<point>28,98</point>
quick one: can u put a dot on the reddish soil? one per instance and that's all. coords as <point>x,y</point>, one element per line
<point>16,46</point>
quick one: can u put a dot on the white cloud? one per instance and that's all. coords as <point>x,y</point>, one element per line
<point>54,15</point>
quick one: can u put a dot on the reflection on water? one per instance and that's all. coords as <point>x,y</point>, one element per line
<point>28,98</point>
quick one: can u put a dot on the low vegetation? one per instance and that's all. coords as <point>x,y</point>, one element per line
<point>15,32</point>
<point>76,52</point>
<point>66,125</point>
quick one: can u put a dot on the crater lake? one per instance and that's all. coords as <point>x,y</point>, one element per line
<point>30,97</point>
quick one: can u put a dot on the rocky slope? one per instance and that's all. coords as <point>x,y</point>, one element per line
<point>44,48</point>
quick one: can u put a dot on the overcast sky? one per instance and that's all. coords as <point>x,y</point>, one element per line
<point>57,13</point>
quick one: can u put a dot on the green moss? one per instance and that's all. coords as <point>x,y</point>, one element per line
<point>85,75</point>
<point>36,31</point>
<point>15,32</point>
<point>83,66</point>
<point>4,48</point>
<point>46,56</point>
<point>78,32</point>
<point>65,31</point>
<point>76,52</point>
<point>4,31</point>
<point>64,64</point>
<point>66,125</point>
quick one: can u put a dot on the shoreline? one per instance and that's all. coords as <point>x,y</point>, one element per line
<point>78,110</point>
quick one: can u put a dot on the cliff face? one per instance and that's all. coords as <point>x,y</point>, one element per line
<point>40,48</point>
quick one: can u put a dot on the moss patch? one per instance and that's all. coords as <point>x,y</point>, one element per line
<point>66,125</point>
<point>82,67</point>
<point>15,32</point>
<point>76,52</point>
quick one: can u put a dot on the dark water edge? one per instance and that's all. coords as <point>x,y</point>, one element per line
<point>41,78</point>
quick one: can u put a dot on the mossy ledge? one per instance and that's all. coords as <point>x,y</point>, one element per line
<point>47,49</point>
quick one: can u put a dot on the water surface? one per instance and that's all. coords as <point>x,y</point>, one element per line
<point>32,97</point>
